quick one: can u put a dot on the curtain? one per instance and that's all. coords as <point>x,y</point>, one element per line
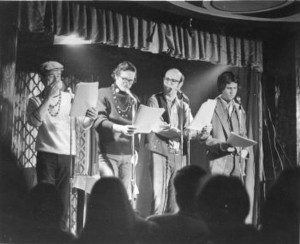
<point>111,28</point>
<point>250,79</point>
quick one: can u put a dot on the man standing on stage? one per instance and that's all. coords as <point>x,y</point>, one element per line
<point>229,116</point>
<point>49,112</point>
<point>114,125</point>
<point>167,154</point>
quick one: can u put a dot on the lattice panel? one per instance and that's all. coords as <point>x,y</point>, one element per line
<point>24,135</point>
<point>82,165</point>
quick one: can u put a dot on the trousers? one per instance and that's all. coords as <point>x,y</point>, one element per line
<point>164,168</point>
<point>56,169</point>
<point>119,166</point>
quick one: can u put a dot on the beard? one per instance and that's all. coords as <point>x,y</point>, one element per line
<point>167,90</point>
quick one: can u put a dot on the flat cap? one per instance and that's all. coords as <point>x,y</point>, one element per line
<point>50,65</point>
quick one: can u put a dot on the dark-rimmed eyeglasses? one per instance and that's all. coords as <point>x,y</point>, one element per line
<point>171,80</point>
<point>127,80</point>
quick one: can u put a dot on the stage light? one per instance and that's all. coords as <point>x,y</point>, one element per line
<point>202,85</point>
<point>70,40</point>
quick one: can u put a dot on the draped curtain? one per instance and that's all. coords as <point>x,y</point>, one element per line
<point>250,79</point>
<point>111,28</point>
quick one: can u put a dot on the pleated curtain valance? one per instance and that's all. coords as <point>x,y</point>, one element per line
<point>111,28</point>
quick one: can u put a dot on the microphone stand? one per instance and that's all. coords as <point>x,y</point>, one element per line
<point>133,159</point>
<point>71,165</point>
<point>240,130</point>
<point>71,176</point>
<point>181,130</point>
<point>188,160</point>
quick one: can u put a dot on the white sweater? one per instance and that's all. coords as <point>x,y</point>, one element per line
<point>54,132</point>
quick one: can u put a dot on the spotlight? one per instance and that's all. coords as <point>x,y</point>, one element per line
<point>70,40</point>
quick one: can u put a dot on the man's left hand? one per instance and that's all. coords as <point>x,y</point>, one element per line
<point>244,153</point>
<point>91,113</point>
<point>205,132</point>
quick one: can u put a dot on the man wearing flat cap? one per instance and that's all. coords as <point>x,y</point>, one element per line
<point>49,112</point>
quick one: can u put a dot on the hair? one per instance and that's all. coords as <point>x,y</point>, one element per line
<point>226,78</point>
<point>186,183</point>
<point>182,78</point>
<point>13,191</point>
<point>280,213</point>
<point>110,217</point>
<point>46,203</point>
<point>223,199</point>
<point>124,66</point>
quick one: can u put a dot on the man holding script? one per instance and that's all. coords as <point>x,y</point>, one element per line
<point>229,116</point>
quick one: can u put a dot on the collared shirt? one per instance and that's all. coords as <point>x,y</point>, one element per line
<point>173,107</point>
<point>229,106</point>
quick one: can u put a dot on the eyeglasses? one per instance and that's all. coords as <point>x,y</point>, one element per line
<point>127,80</point>
<point>171,80</point>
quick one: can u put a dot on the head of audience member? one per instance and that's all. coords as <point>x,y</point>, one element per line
<point>186,183</point>
<point>222,201</point>
<point>45,203</point>
<point>280,215</point>
<point>173,81</point>
<point>13,191</point>
<point>45,212</point>
<point>124,75</point>
<point>110,217</point>
<point>50,72</point>
<point>228,85</point>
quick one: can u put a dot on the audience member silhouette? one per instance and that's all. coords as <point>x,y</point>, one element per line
<point>110,217</point>
<point>45,211</point>
<point>13,191</point>
<point>280,216</point>
<point>224,204</point>
<point>184,226</point>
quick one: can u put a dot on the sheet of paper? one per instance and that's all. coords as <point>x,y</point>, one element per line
<point>239,141</point>
<point>86,96</point>
<point>85,182</point>
<point>204,115</point>
<point>147,118</point>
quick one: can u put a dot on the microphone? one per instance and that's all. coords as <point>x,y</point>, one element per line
<point>131,95</point>
<point>238,100</point>
<point>180,92</point>
<point>71,94</point>
<point>182,95</point>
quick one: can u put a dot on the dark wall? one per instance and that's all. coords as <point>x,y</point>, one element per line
<point>279,85</point>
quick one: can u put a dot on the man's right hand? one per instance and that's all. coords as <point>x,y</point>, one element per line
<point>53,89</point>
<point>227,147</point>
<point>127,130</point>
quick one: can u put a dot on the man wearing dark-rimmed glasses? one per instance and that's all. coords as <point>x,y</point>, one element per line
<point>114,125</point>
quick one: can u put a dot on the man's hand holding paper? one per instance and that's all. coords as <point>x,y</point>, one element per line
<point>229,148</point>
<point>167,130</point>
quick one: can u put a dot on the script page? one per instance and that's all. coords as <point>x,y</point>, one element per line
<point>204,115</point>
<point>236,140</point>
<point>147,118</point>
<point>86,96</point>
